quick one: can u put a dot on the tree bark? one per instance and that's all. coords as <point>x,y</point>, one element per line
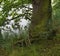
<point>41,18</point>
<point>1,38</point>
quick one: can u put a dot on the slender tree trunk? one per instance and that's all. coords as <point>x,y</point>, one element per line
<point>1,38</point>
<point>42,15</point>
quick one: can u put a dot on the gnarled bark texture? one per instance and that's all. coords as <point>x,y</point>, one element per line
<point>42,13</point>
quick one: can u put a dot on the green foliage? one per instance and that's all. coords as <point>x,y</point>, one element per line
<point>13,6</point>
<point>56,14</point>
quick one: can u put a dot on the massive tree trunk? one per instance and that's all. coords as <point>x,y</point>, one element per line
<point>42,15</point>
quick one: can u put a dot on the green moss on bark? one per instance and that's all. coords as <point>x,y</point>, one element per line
<point>42,13</point>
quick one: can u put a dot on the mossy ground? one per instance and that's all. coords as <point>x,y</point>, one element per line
<point>43,48</point>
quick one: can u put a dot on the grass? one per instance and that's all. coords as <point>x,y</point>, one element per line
<point>38,48</point>
<point>43,48</point>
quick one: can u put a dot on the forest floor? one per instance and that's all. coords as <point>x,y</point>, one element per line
<point>43,48</point>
